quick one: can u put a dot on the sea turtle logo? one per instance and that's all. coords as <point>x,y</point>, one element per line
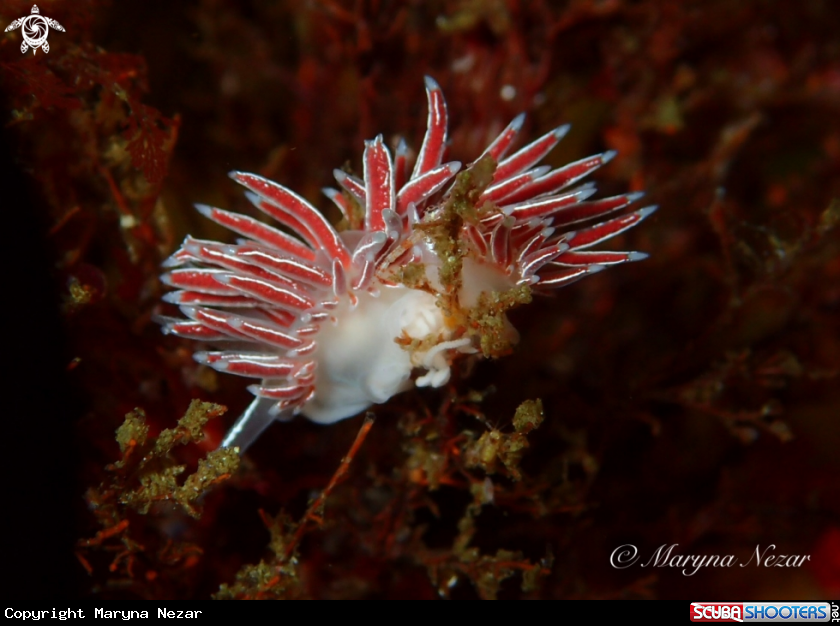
<point>35,29</point>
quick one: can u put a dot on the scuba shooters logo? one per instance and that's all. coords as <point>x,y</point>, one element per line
<point>35,29</point>
<point>784,612</point>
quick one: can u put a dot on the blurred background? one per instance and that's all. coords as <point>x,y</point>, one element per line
<point>690,399</point>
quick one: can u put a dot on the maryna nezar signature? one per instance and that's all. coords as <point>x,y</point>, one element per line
<point>627,555</point>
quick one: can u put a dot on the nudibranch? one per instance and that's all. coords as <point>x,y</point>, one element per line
<point>330,322</point>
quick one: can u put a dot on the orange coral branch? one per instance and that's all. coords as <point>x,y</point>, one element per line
<point>312,513</point>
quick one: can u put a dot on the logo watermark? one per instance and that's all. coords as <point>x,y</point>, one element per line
<point>795,612</point>
<point>35,29</point>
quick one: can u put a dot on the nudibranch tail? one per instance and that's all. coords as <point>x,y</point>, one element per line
<point>330,323</point>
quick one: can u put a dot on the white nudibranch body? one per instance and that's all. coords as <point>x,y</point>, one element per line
<point>331,323</point>
<point>359,361</point>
